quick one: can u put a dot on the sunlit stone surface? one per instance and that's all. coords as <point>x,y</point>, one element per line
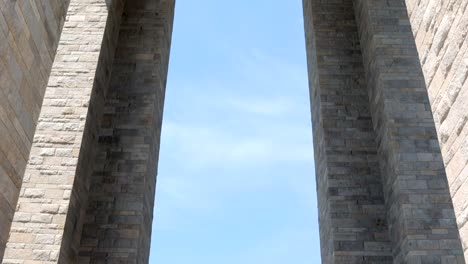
<point>82,86</point>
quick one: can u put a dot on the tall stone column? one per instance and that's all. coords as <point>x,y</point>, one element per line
<point>29,35</point>
<point>420,212</point>
<point>50,212</point>
<point>120,211</point>
<point>440,29</point>
<point>353,226</point>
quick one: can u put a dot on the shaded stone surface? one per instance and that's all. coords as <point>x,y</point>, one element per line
<point>415,184</point>
<point>29,34</point>
<point>440,30</point>
<point>419,211</point>
<point>353,225</point>
<point>86,179</point>
<point>119,214</point>
<point>50,211</point>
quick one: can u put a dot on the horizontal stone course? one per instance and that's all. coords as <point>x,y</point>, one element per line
<point>54,188</point>
<point>87,184</point>
<point>29,33</point>
<point>440,29</point>
<point>119,214</point>
<point>353,225</point>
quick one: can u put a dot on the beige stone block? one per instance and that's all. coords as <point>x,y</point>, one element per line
<point>455,166</point>
<point>45,239</point>
<point>41,254</point>
<point>55,194</point>
<point>50,208</point>
<point>34,193</point>
<point>29,207</point>
<point>41,218</point>
<point>21,238</point>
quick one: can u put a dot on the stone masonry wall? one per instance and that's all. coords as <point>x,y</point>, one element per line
<point>440,28</point>
<point>419,208</point>
<point>397,152</point>
<point>377,71</point>
<point>353,226</point>
<point>29,34</point>
<point>76,215</point>
<point>120,210</point>
<point>50,212</point>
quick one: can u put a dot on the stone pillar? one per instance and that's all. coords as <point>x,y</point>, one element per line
<point>353,226</point>
<point>440,29</point>
<point>29,35</point>
<point>120,211</point>
<point>420,212</point>
<point>47,224</point>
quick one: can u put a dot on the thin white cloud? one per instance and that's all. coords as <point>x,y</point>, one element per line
<point>202,146</point>
<point>212,150</point>
<point>236,148</point>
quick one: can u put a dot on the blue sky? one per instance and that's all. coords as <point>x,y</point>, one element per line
<point>236,180</point>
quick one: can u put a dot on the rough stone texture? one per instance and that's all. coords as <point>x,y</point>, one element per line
<point>419,211</point>
<point>440,29</point>
<point>88,190</point>
<point>351,204</point>
<point>29,34</point>
<point>89,185</point>
<point>120,210</point>
<point>50,212</point>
